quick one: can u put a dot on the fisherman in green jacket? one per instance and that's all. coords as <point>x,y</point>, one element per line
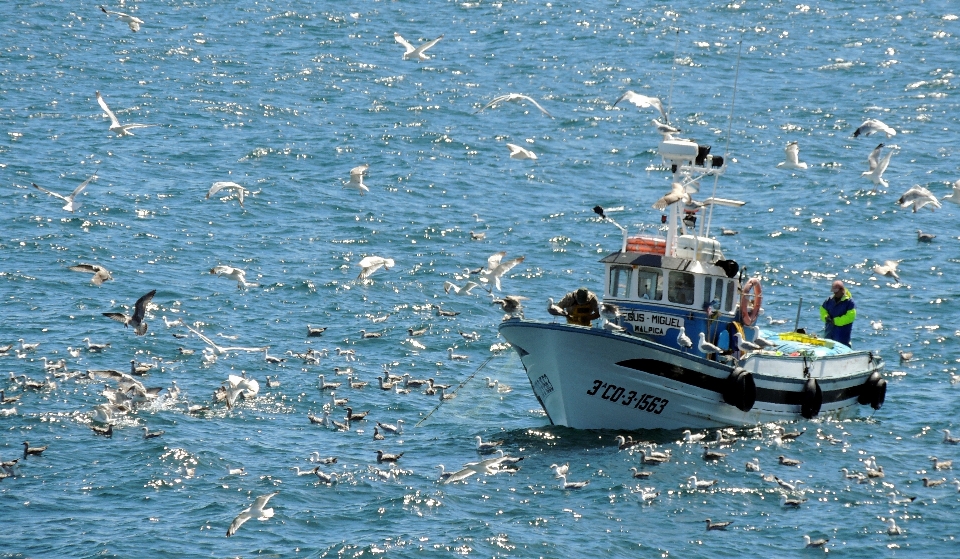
<point>838,313</point>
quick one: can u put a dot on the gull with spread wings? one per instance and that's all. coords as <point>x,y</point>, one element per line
<point>136,319</point>
<point>356,179</point>
<point>115,126</point>
<point>878,166</point>
<point>514,97</point>
<point>256,510</point>
<point>371,264</point>
<point>497,267</point>
<point>643,102</point>
<point>791,157</point>
<point>100,274</point>
<point>227,185</point>
<point>71,201</point>
<point>678,193</point>
<point>415,53</point>
<point>133,21</point>
<point>218,350</point>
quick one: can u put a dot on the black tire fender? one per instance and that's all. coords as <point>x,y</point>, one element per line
<point>811,399</point>
<point>873,391</point>
<point>740,390</point>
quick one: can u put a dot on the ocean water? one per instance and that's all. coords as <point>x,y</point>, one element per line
<point>286,97</point>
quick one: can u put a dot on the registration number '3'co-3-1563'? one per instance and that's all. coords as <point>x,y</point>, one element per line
<point>614,394</point>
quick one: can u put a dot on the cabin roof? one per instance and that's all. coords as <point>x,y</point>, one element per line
<point>666,262</point>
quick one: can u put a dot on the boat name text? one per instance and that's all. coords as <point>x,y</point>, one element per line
<point>651,323</point>
<point>613,394</point>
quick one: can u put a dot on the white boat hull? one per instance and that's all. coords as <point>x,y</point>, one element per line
<point>590,378</point>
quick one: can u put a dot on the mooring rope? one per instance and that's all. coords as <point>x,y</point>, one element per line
<point>457,389</point>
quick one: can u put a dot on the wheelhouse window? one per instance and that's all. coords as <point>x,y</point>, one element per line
<point>649,284</point>
<point>680,288</point>
<point>728,302</point>
<point>718,294</point>
<point>620,281</point>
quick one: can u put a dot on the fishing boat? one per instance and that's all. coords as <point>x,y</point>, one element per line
<point>680,347</point>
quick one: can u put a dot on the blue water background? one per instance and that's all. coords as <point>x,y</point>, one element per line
<point>286,97</point>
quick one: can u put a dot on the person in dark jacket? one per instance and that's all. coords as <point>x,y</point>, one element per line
<point>581,305</point>
<point>838,313</point>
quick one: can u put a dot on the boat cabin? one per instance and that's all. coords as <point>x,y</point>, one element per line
<point>658,294</point>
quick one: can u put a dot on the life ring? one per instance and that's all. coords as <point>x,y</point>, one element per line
<point>740,391</point>
<point>811,399</point>
<point>873,391</point>
<point>748,312</point>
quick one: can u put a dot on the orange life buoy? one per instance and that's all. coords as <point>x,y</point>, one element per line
<point>647,245</point>
<point>752,292</point>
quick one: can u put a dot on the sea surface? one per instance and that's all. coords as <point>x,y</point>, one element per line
<point>286,97</point>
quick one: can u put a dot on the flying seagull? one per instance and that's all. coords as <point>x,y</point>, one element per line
<point>872,125</point>
<point>71,202</point>
<point>227,185</point>
<point>415,53</point>
<point>256,510</point>
<point>888,268</point>
<point>918,197</point>
<point>136,320</point>
<point>792,158</point>
<point>643,102</point>
<point>133,21</point>
<point>100,274</point>
<point>878,166</point>
<point>517,152</point>
<point>514,97</point>
<point>235,274</point>
<point>115,126</point>
<point>356,179</point>
<point>371,264</point>
<point>497,267</point>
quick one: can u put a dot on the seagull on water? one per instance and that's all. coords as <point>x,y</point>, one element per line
<point>947,439</point>
<point>564,484</point>
<point>356,179</point>
<point>72,204</point>
<point>643,102</point>
<point>925,237</point>
<point>517,152</point>
<point>371,264</point>
<point>717,525</point>
<point>487,446</point>
<point>514,97</point>
<point>872,125</point>
<point>227,185</point>
<point>792,157</point>
<point>115,126</point>
<point>415,53</point>
<point>136,319</point>
<point>256,510</point>
<point>889,268</point>
<point>892,528</point>
<point>807,542</point>
<point>94,346</point>
<point>133,21</point>
<point>148,434</point>
<point>918,197</point>
<point>695,483</point>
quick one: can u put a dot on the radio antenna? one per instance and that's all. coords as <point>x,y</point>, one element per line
<point>673,75</point>
<point>733,104</point>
